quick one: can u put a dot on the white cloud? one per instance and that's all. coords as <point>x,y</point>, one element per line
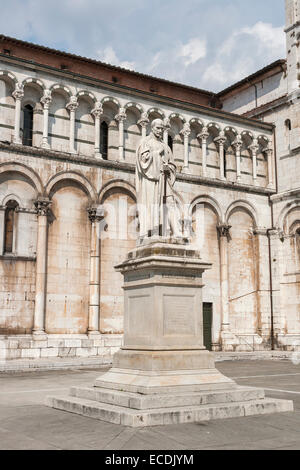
<point>243,52</point>
<point>191,52</point>
<point>109,56</point>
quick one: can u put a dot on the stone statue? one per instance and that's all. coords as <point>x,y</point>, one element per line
<point>155,178</point>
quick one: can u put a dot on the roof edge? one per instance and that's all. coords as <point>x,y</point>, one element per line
<point>249,78</point>
<point>103,64</point>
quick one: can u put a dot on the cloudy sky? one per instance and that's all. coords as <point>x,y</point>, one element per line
<point>209,44</point>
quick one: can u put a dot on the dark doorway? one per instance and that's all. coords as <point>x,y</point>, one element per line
<point>207,325</point>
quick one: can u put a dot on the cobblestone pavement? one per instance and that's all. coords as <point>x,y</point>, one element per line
<point>25,423</point>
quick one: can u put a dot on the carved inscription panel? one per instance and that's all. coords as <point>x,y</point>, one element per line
<point>179,315</point>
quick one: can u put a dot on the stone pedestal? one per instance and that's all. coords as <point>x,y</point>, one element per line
<point>163,374</point>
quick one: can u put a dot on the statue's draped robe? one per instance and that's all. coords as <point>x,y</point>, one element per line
<point>151,184</point>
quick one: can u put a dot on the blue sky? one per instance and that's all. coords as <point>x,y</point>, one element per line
<point>209,44</point>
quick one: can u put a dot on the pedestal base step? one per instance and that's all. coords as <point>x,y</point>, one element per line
<point>131,409</point>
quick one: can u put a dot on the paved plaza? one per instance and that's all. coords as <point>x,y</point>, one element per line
<point>25,423</point>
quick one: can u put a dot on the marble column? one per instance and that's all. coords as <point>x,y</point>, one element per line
<point>220,141</point>
<point>72,106</point>
<point>143,123</point>
<point>97,113</point>
<point>2,226</point>
<point>269,153</point>
<point>46,102</point>
<point>18,95</point>
<point>167,127</point>
<point>203,138</point>
<point>95,215</point>
<point>121,117</point>
<point>186,131</point>
<point>254,150</point>
<point>237,144</point>
<point>277,253</point>
<point>263,323</point>
<point>224,234</point>
<point>42,206</point>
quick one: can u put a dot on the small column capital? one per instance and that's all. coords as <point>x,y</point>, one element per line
<point>121,116</point>
<point>18,93</point>
<point>95,213</point>
<point>98,110</point>
<point>204,134</point>
<point>42,206</point>
<point>144,120</point>
<point>221,139</point>
<point>268,150</point>
<point>46,99</point>
<point>254,147</point>
<point>167,124</point>
<point>186,130</point>
<point>237,144</point>
<point>73,104</point>
<point>260,231</point>
<point>224,230</point>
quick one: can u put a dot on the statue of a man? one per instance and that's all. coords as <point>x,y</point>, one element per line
<point>155,178</point>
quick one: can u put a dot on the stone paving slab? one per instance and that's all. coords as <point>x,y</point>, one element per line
<point>26,423</point>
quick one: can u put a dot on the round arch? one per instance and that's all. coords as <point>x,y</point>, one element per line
<point>195,121</point>
<point>87,94</point>
<point>242,205</point>
<point>62,89</point>
<point>34,81</point>
<point>117,184</point>
<point>131,105</point>
<point>177,116</point>
<point>156,111</point>
<point>110,99</point>
<point>11,197</point>
<point>210,201</point>
<point>285,212</point>
<point>81,180</point>
<point>32,177</point>
<point>8,76</point>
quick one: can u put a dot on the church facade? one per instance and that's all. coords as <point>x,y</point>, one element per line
<point>69,129</point>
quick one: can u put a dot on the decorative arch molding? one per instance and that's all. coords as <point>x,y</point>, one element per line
<point>11,197</point>
<point>231,133</point>
<point>30,175</point>
<point>131,105</point>
<point>157,111</point>
<point>248,134</point>
<point>34,81</point>
<point>213,126</point>
<point>263,138</point>
<point>117,184</point>
<point>241,205</point>
<point>8,76</point>
<point>61,88</point>
<point>87,94</point>
<point>73,176</point>
<point>198,121</point>
<point>210,201</point>
<point>177,116</point>
<point>286,211</point>
<point>110,99</point>
<point>294,227</point>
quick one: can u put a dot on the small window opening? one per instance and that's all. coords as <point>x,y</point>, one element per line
<point>170,142</point>
<point>9,226</point>
<point>28,125</point>
<point>104,140</point>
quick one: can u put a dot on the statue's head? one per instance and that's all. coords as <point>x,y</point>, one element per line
<point>157,128</point>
